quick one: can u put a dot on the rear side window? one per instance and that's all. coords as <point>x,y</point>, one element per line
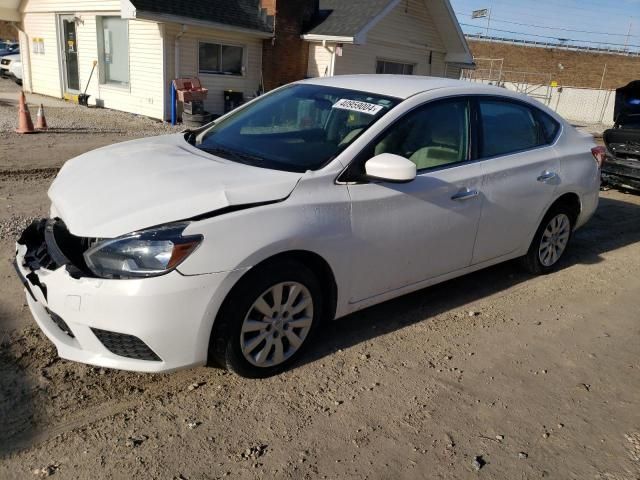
<point>548,126</point>
<point>508,127</point>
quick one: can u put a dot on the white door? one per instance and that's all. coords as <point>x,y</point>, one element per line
<point>407,233</point>
<point>518,186</point>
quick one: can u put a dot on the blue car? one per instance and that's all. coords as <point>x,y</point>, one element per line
<point>9,48</point>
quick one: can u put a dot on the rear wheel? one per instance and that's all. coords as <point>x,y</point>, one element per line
<point>268,320</point>
<point>550,241</point>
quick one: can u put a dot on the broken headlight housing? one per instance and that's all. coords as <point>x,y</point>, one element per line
<point>147,253</point>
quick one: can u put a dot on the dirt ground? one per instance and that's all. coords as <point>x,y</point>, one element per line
<point>495,375</point>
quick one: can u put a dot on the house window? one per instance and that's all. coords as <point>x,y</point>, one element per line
<point>396,68</point>
<point>220,59</point>
<point>113,50</point>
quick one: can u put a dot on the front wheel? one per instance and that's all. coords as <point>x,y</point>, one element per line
<point>550,241</point>
<point>268,320</point>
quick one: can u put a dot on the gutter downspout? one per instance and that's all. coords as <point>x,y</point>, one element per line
<point>27,57</point>
<point>332,69</point>
<point>183,30</point>
<point>176,72</point>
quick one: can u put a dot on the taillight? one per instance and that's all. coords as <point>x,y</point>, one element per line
<point>599,154</point>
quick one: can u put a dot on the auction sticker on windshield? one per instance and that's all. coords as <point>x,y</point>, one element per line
<point>356,106</point>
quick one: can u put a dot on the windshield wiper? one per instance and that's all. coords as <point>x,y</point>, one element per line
<point>190,136</point>
<point>239,157</point>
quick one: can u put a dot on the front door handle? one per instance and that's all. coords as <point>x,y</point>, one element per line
<point>465,194</point>
<point>547,175</point>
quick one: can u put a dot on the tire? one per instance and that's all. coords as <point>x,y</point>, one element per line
<point>197,117</point>
<point>196,120</point>
<point>556,229</point>
<point>243,320</point>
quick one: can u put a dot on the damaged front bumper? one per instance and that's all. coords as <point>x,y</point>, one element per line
<point>156,324</point>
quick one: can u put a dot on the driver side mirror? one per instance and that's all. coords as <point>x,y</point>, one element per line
<point>390,168</point>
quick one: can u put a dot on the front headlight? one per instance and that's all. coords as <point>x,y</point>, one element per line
<point>148,253</point>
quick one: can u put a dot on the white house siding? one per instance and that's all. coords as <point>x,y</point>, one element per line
<point>453,72</point>
<point>143,95</point>
<point>45,67</point>
<point>407,34</point>
<point>438,65</point>
<point>319,64</point>
<point>70,6</point>
<point>248,83</point>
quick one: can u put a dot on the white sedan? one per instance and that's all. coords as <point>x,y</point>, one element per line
<point>232,243</point>
<point>6,62</point>
<point>15,71</point>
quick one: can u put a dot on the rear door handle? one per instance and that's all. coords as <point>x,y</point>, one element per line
<point>547,175</point>
<point>465,194</point>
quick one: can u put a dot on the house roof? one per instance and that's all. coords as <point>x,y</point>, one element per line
<point>348,21</point>
<point>237,13</point>
<point>10,10</point>
<point>347,18</point>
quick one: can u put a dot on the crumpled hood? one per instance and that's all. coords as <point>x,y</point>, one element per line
<point>142,183</point>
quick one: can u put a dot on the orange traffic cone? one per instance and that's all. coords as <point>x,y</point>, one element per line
<point>25,125</point>
<point>41,121</point>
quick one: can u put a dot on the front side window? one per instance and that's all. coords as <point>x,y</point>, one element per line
<point>434,135</point>
<point>508,127</point>
<point>395,68</point>
<point>298,128</point>
<point>220,59</point>
<point>113,48</point>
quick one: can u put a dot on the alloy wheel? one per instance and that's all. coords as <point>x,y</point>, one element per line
<point>554,240</point>
<point>277,324</point>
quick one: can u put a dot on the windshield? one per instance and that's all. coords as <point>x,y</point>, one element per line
<point>299,128</point>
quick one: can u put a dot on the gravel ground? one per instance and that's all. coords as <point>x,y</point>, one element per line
<point>65,117</point>
<point>73,130</point>
<point>495,375</point>
<point>595,129</point>
<point>12,227</point>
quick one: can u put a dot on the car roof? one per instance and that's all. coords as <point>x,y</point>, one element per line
<point>400,86</point>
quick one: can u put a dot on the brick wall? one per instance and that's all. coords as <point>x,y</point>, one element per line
<point>269,6</point>
<point>581,69</point>
<point>284,58</point>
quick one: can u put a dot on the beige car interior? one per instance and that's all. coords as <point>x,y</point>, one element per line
<point>434,136</point>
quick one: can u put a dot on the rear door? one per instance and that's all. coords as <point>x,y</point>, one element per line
<point>521,174</point>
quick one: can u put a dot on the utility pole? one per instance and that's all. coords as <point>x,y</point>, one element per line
<point>626,42</point>
<point>604,72</point>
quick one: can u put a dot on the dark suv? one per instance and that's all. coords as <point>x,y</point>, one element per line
<point>622,168</point>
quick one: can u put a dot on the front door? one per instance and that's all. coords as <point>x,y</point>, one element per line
<point>70,53</point>
<point>408,233</point>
